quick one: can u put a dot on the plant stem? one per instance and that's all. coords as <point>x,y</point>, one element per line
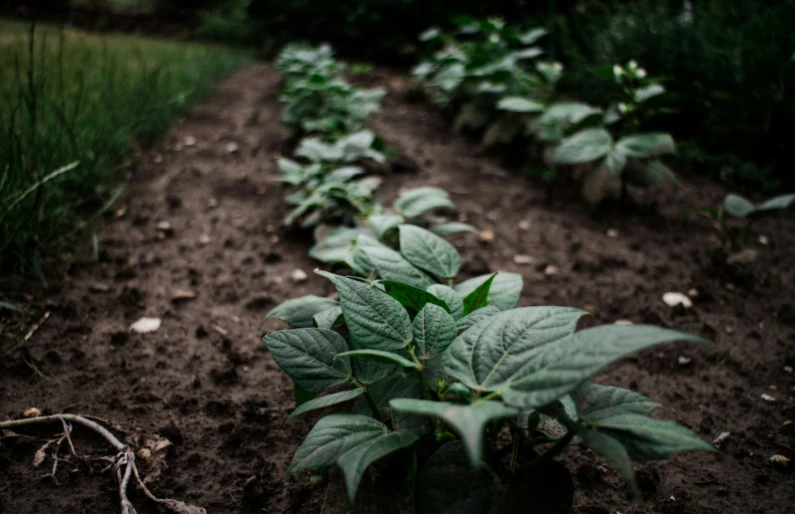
<point>370,401</point>
<point>490,396</point>
<point>516,444</point>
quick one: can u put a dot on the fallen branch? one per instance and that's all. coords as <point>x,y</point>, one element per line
<point>124,466</point>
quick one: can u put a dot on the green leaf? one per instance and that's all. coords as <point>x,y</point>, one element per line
<point>467,420</point>
<point>400,384</point>
<point>429,252</point>
<point>531,36</point>
<point>299,312</point>
<point>647,92</point>
<point>453,227</point>
<point>368,372</point>
<point>329,318</point>
<point>307,355</point>
<point>327,401</point>
<point>567,113</point>
<point>646,145</point>
<point>391,265</point>
<point>519,104</point>
<point>479,296</point>
<point>355,461</point>
<point>383,223</point>
<point>453,300</point>
<point>474,317</point>
<point>615,162</point>
<point>554,429</point>
<point>420,200</point>
<point>585,146</point>
<point>489,355</point>
<point>381,356</point>
<point>595,401</point>
<point>612,450</point>
<point>412,298</point>
<point>434,330</point>
<point>505,290</point>
<point>332,437</point>
<point>778,203</point>
<point>374,319</point>
<point>556,369</point>
<point>646,438</point>
<point>653,173</point>
<point>737,206</point>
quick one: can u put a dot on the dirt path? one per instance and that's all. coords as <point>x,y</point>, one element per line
<point>205,382</point>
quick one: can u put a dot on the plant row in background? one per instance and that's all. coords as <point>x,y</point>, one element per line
<point>72,105</point>
<point>485,392</point>
<point>492,77</point>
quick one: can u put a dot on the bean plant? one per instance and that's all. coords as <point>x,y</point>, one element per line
<point>738,214</point>
<point>477,390</point>
<point>494,84</point>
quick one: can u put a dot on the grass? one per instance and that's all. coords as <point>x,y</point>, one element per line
<point>72,107</point>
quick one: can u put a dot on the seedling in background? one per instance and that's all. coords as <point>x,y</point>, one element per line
<point>736,218</point>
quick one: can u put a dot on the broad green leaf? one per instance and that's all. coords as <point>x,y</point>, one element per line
<point>391,265</point>
<point>475,317</point>
<point>585,146</point>
<point>737,206</point>
<point>646,145</point>
<point>653,173</point>
<point>647,438</point>
<point>611,449</point>
<point>360,257</point>
<point>567,112</point>
<point>420,200</point>
<point>531,36</point>
<point>519,104</point>
<point>429,252</point>
<point>400,384</point>
<point>383,223</point>
<point>329,318</point>
<point>557,369</point>
<point>778,203</point>
<point>453,300</point>
<point>453,227</point>
<point>326,401</point>
<point>505,290</point>
<point>380,356</point>
<point>374,319</point>
<point>368,372</point>
<point>467,420</point>
<point>307,355</point>
<point>595,401</point>
<point>332,437</point>
<point>429,34</point>
<point>479,297</point>
<point>489,355</point>
<point>412,298</point>
<point>434,330</point>
<point>615,162</point>
<point>355,461</point>
<point>299,312</point>
<point>647,92</point>
<point>528,53</point>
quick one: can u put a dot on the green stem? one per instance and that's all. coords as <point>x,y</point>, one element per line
<point>515,446</point>
<point>490,396</point>
<point>369,398</point>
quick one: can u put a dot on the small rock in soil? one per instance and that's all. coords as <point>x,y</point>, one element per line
<point>523,259</point>
<point>721,438</point>
<point>299,276</point>
<point>32,412</point>
<point>766,397</point>
<point>182,294</point>
<point>743,257</point>
<point>524,225</point>
<point>788,369</point>
<point>551,270</point>
<point>780,460</point>
<point>190,141</point>
<point>763,240</point>
<point>98,287</point>
<point>674,299</point>
<point>232,148</point>
<point>692,292</point>
<point>684,361</point>
<point>487,236</point>
<point>612,233</point>
<point>165,227</point>
<point>212,203</point>
<point>145,325</point>
<point>204,239</point>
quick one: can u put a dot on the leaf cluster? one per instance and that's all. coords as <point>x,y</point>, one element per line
<point>454,368</point>
<point>490,75</point>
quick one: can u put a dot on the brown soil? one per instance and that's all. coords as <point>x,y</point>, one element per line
<point>205,382</point>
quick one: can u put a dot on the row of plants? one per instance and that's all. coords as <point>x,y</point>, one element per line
<point>477,393</point>
<point>493,79</point>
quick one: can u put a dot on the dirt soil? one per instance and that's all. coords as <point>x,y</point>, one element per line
<point>205,382</point>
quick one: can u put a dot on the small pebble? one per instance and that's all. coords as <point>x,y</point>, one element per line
<point>692,292</point>
<point>722,437</point>
<point>684,361</point>
<point>190,141</point>
<point>612,233</point>
<point>144,454</point>
<point>674,299</point>
<point>299,276</point>
<point>551,270</point>
<point>32,412</point>
<point>523,259</point>
<point>763,240</point>
<point>788,369</point>
<point>766,397</point>
<point>524,225</point>
<point>204,239</point>
<point>780,459</point>
<point>487,236</point>
<point>182,294</point>
<point>232,148</point>
<point>145,325</point>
